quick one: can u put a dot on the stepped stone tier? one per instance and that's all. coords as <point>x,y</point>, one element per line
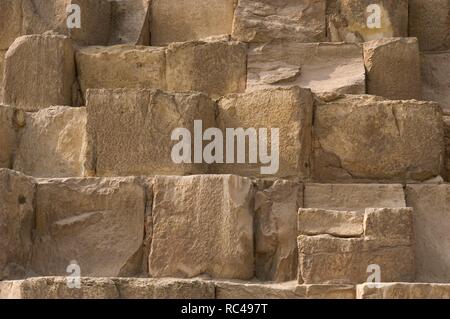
<point>354,99</point>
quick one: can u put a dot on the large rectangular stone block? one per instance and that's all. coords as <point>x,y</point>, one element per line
<point>129,131</point>
<point>187,20</point>
<point>39,72</point>
<point>431,220</point>
<point>52,142</point>
<point>17,217</point>
<point>322,67</point>
<point>293,20</point>
<point>202,225</point>
<point>10,22</point>
<point>436,82</point>
<point>8,136</point>
<point>216,68</point>
<point>370,138</point>
<point>287,109</point>
<point>403,291</point>
<point>95,223</point>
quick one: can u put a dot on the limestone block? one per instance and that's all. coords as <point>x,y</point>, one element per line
<point>17,193</point>
<point>431,205</point>
<point>39,72</point>
<point>52,143</point>
<point>8,136</point>
<point>276,232</point>
<point>40,16</point>
<point>403,291</point>
<point>286,109</point>
<point>436,82</point>
<point>363,137</point>
<point>293,20</point>
<point>180,21</point>
<point>322,67</point>
<point>121,66</point>
<point>2,64</point>
<point>202,225</point>
<point>393,68</point>
<point>95,223</point>
<point>129,130</point>
<point>10,23</point>
<point>216,68</point>
<point>353,197</point>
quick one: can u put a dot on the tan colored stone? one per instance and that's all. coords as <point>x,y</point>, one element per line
<point>52,143</point>
<point>40,16</point>
<point>393,68</point>
<point>276,232</point>
<point>216,68</point>
<point>389,225</point>
<point>349,22</point>
<point>292,20</point>
<point>353,197</point>
<point>39,72</point>
<point>129,131</point>
<point>431,205</point>
<point>286,290</point>
<point>436,82</point>
<point>17,193</point>
<point>429,22</point>
<point>336,223</point>
<point>289,110</point>
<point>121,66</point>
<point>2,64</point>
<point>10,23</point>
<point>97,222</point>
<point>8,136</point>
<point>202,225</point>
<point>403,291</point>
<point>364,137</point>
<point>322,67</point>
<point>180,21</point>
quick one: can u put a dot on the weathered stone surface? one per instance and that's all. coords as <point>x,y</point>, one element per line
<point>429,22</point>
<point>323,67</point>
<point>129,131</point>
<point>369,138</point>
<point>403,291</point>
<point>39,72</point>
<point>287,290</point>
<point>349,21</point>
<point>393,68</point>
<point>353,197</point>
<point>313,222</point>
<point>276,209</point>
<point>202,225</point>
<point>40,16</point>
<point>180,21</point>
<point>2,64</point>
<point>130,22</point>
<point>17,194</point>
<point>121,66</point>
<point>389,225</point>
<point>97,222</point>
<point>436,82</point>
<point>292,20</point>
<point>431,220</point>
<point>216,68</point>
<point>289,110</point>
<point>10,23</point>
<point>8,136</point>
<point>52,143</point>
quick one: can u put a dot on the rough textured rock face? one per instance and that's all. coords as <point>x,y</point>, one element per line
<point>41,65</point>
<point>403,291</point>
<point>314,222</point>
<point>202,225</point>
<point>52,143</point>
<point>349,20</point>
<point>429,22</point>
<point>436,82</point>
<point>98,223</point>
<point>40,16</point>
<point>134,67</point>
<point>431,211</point>
<point>351,132</point>
<point>216,68</point>
<point>2,64</point>
<point>289,110</point>
<point>266,20</point>
<point>180,21</point>
<point>129,131</point>
<point>17,193</point>
<point>8,136</point>
<point>393,68</point>
<point>276,232</point>
<point>387,242</point>
<point>10,22</point>
<point>322,67</point>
